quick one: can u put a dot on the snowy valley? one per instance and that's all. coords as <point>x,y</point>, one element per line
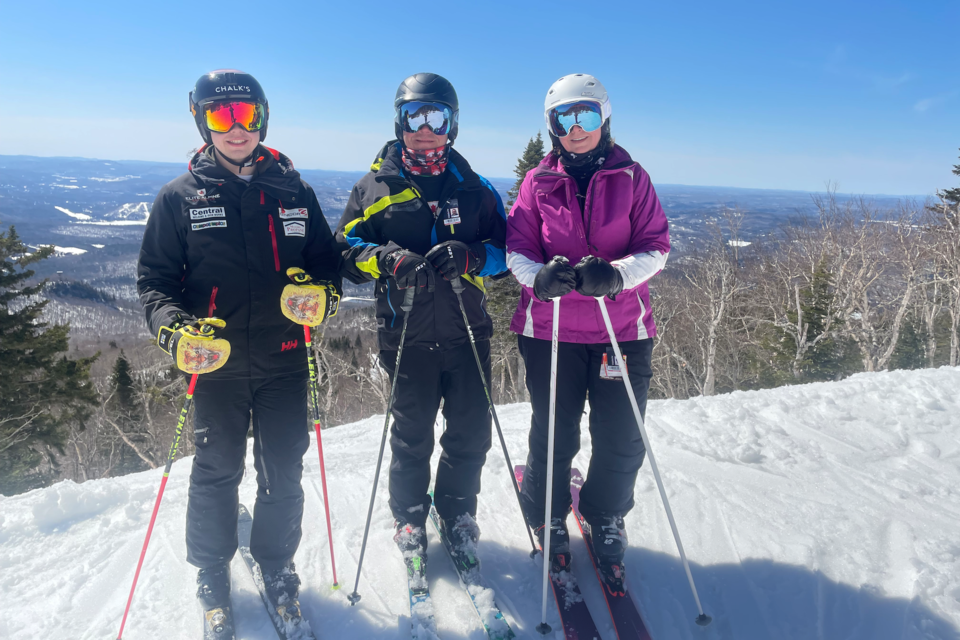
<point>821,511</point>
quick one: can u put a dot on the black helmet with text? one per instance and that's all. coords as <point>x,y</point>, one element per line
<point>225,86</point>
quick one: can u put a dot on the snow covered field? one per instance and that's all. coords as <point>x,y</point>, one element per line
<point>825,511</point>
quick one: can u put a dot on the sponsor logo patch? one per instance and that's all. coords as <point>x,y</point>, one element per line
<point>290,344</point>
<point>197,226</point>
<point>207,212</point>
<point>286,214</point>
<point>201,195</point>
<point>293,228</point>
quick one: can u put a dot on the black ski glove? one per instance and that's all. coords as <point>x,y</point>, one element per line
<point>454,258</point>
<point>409,269</point>
<point>557,278</point>
<point>596,277</point>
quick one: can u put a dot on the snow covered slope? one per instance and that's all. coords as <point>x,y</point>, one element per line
<point>823,511</point>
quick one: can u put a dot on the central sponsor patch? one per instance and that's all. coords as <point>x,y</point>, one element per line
<point>197,226</point>
<point>286,214</point>
<point>207,212</point>
<point>294,228</point>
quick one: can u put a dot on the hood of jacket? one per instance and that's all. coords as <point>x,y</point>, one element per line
<point>272,169</point>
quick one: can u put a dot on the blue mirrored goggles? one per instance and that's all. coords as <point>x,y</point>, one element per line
<point>587,114</point>
<point>414,115</point>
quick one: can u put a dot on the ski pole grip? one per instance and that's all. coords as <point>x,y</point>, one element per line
<point>408,299</point>
<point>457,285</point>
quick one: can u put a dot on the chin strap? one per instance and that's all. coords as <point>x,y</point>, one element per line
<point>246,162</point>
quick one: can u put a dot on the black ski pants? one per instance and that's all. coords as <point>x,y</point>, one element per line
<point>618,449</point>
<point>426,376</point>
<point>224,410</point>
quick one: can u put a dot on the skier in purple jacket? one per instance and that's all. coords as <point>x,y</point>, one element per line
<point>587,223</point>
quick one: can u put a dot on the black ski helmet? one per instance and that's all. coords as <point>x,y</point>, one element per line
<point>427,87</point>
<point>226,84</point>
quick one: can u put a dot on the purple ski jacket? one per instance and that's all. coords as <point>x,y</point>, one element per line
<point>623,224</point>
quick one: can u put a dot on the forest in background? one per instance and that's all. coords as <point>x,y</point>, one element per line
<point>855,287</point>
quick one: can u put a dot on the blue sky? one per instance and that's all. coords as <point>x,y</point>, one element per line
<point>767,94</point>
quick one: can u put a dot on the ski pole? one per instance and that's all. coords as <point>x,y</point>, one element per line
<point>703,619</point>
<point>407,305</point>
<point>543,627</point>
<point>315,397</point>
<point>458,289</point>
<point>163,483</point>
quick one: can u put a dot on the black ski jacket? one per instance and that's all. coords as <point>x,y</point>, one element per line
<point>387,212</point>
<point>218,246</point>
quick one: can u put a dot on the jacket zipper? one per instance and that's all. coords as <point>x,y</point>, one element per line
<point>273,239</point>
<point>213,298</point>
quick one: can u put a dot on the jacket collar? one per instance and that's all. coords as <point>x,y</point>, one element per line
<point>388,167</point>
<point>272,169</point>
<point>618,159</point>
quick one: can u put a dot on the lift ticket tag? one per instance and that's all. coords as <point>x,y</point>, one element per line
<point>610,368</point>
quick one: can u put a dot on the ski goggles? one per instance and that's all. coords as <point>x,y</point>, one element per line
<point>414,115</point>
<point>221,116</point>
<point>587,114</point>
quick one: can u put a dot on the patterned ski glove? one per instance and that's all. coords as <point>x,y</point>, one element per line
<point>454,258</point>
<point>596,277</point>
<point>557,278</point>
<point>193,347</point>
<point>308,303</point>
<point>409,269</point>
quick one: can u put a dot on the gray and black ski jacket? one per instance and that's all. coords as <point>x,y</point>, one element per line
<point>218,246</point>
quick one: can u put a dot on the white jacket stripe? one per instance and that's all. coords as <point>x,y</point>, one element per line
<point>639,267</point>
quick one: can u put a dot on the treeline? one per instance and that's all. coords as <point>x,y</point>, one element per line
<point>850,289</point>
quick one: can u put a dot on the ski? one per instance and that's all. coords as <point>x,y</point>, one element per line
<point>218,624</point>
<point>481,595</point>
<point>577,622</point>
<point>287,620</point>
<point>627,621</point>
<point>423,626</point>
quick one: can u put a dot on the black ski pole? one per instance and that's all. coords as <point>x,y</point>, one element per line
<point>407,305</point>
<point>458,289</point>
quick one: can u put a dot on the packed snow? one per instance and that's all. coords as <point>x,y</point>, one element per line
<point>822,511</point>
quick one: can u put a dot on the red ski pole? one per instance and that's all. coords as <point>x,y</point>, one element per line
<point>163,483</point>
<point>315,398</point>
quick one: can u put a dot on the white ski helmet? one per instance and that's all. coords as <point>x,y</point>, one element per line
<point>574,88</point>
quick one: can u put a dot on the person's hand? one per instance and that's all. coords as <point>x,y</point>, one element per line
<point>193,347</point>
<point>306,302</point>
<point>453,259</point>
<point>557,278</point>
<point>408,269</point>
<point>596,277</point>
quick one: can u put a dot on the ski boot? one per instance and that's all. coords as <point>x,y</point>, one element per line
<point>559,544</point>
<point>609,541</point>
<point>412,542</point>
<point>462,532</point>
<point>213,592</point>
<point>283,589</point>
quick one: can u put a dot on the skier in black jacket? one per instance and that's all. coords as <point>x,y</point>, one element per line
<point>211,276</point>
<point>422,218</point>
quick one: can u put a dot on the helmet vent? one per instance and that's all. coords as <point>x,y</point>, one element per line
<point>591,84</point>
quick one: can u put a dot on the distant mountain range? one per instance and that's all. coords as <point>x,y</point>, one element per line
<point>94,211</point>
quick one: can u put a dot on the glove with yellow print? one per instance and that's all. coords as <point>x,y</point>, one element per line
<point>307,303</point>
<point>193,346</point>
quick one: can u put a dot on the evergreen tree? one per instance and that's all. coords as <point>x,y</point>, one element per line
<point>41,392</point>
<point>126,411</point>
<point>952,196</point>
<point>531,157</point>
<point>123,381</point>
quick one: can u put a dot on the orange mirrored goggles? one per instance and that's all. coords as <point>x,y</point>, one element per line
<point>221,116</point>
